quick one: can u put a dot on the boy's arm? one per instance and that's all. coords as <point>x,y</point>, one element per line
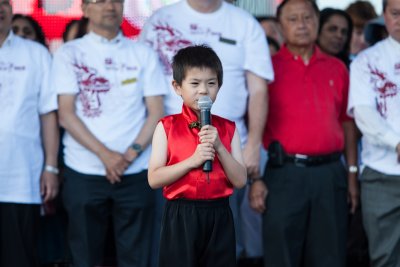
<point>160,175</point>
<point>233,162</point>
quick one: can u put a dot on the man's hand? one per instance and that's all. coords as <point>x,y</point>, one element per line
<point>115,164</point>
<point>353,192</point>
<point>251,157</point>
<point>49,184</point>
<point>257,195</point>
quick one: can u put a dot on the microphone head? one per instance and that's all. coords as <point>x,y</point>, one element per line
<point>204,102</point>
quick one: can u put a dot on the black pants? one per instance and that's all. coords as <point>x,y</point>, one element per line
<point>19,227</point>
<point>306,216</point>
<point>91,199</point>
<point>197,234</point>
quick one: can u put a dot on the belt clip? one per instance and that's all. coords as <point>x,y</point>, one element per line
<point>299,160</point>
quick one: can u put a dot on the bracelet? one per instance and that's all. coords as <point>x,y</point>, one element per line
<point>51,169</point>
<point>353,169</point>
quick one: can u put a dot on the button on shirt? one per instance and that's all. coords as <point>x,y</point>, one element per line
<point>375,102</point>
<point>110,80</point>
<point>307,103</point>
<point>24,96</point>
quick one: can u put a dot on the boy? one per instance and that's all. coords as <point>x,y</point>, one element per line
<point>197,226</point>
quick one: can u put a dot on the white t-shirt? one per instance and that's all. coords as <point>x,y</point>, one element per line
<point>235,36</point>
<point>111,80</point>
<point>24,95</point>
<point>375,86</point>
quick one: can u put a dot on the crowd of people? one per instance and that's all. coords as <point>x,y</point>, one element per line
<point>104,141</point>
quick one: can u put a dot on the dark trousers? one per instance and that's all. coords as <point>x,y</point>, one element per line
<point>197,234</point>
<point>19,227</point>
<point>306,216</point>
<point>91,199</point>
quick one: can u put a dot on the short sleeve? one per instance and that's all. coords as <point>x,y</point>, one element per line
<point>345,93</point>
<point>47,95</point>
<point>63,77</point>
<point>153,79</point>
<point>360,86</point>
<point>257,57</point>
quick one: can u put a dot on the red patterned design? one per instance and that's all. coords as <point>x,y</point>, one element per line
<point>91,86</point>
<point>384,87</point>
<point>169,41</point>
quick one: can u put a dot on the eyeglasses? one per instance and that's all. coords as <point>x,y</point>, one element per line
<point>103,1</point>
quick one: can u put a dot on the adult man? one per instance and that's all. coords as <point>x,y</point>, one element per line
<point>305,214</point>
<point>374,102</point>
<point>27,175</point>
<point>235,36</point>
<point>110,98</point>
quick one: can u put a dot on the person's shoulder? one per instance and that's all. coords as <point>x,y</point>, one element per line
<point>377,49</point>
<point>170,118</point>
<point>71,46</point>
<point>168,9</point>
<point>238,12</point>
<point>34,47</point>
<point>140,49</point>
<point>371,54</point>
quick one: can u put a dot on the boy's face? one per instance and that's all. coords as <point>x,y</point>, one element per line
<point>197,82</point>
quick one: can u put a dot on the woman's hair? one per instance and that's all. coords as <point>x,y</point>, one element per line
<point>82,25</point>
<point>324,16</point>
<point>40,37</point>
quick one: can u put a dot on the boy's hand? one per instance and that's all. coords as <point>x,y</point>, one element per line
<point>203,152</point>
<point>209,134</point>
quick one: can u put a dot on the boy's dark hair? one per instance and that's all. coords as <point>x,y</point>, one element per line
<point>197,56</point>
<point>284,2</point>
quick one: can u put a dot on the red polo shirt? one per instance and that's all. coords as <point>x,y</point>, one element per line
<point>182,142</point>
<point>307,103</point>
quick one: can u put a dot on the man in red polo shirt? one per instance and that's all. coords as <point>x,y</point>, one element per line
<point>304,216</point>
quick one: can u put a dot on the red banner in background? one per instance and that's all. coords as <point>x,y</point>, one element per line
<point>53,15</point>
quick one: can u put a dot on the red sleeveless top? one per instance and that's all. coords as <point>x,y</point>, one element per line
<point>182,142</point>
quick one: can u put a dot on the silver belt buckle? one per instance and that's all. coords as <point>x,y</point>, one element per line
<point>299,160</point>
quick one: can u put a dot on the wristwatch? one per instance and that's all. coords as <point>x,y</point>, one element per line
<point>353,169</point>
<point>137,148</point>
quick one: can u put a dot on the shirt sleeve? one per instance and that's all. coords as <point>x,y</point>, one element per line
<point>374,127</point>
<point>345,94</point>
<point>47,95</point>
<point>257,57</point>
<point>361,91</point>
<point>153,79</point>
<point>63,77</point>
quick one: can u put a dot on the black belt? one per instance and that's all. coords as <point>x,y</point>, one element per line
<point>305,161</point>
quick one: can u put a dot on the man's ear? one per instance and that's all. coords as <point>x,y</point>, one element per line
<point>177,87</point>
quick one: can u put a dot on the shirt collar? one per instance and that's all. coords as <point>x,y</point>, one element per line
<point>100,39</point>
<point>189,115</point>
<point>285,52</point>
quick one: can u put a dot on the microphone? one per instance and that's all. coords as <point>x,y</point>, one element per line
<point>204,105</point>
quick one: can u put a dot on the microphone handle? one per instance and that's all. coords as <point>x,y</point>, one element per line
<point>205,117</point>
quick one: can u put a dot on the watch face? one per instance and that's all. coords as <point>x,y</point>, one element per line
<point>137,148</point>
